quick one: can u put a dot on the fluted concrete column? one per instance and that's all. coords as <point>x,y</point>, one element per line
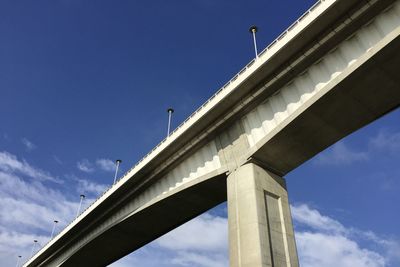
<point>260,224</point>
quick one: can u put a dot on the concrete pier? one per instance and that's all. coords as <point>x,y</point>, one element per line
<point>260,224</point>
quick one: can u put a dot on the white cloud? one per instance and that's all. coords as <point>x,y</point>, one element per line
<point>322,241</point>
<point>201,242</point>
<point>103,164</point>
<point>303,214</point>
<point>338,245</point>
<point>340,154</point>
<point>85,166</point>
<point>28,144</point>
<point>10,163</point>
<point>106,164</point>
<point>200,260</point>
<point>14,244</point>
<point>386,141</point>
<point>320,249</point>
<point>29,207</point>
<point>393,251</point>
<point>148,256</point>
<point>390,246</point>
<point>205,233</point>
<point>87,187</point>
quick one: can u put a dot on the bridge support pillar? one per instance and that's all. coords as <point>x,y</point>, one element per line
<point>260,224</point>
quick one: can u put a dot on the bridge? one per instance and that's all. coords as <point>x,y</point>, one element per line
<point>332,72</point>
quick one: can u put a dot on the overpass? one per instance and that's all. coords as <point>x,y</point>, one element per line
<point>330,73</point>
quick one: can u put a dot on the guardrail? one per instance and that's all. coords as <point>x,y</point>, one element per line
<point>174,132</point>
<point>243,70</point>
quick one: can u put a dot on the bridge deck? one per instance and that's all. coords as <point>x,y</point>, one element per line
<point>322,28</point>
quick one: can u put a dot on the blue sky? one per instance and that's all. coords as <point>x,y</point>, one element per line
<point>85,82</point>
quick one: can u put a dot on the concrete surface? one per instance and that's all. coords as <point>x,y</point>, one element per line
<point>260,224</point>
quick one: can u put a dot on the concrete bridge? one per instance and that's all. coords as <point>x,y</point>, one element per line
<point>332,72</point>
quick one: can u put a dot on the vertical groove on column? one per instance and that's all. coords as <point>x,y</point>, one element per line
<point>238,222</point>
<point>269,229</point>
<point>276,230</point>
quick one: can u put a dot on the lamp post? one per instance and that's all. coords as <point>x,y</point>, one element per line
<point>18,260</point>
<point>170,111</point>
<point>117,163</point>
<point>253,29</point>
<point>54,228</point>
<point>33,247</point>
<point>80,205</point>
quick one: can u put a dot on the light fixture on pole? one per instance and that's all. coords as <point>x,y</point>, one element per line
<point>18,260</point>
<point>80,205</point>
<point>170,111</point>
<point>117,163</point>
<point>54,228</point>
<point>253,29</point>
<point>33,247</point>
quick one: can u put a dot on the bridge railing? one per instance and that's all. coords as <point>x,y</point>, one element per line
<point>174,133</point>
<point>242,71</point>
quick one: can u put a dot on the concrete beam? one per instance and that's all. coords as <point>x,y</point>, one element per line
<point>146,224</point>
<point>371,91</point>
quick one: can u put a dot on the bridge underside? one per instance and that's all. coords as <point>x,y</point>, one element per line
<point>151,222</point>
<point>368,93</point>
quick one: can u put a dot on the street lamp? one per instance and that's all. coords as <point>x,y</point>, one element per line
<point>54,228</point>
<point>117,163</point>
<point>18,260</point>
<point>33,247</point>
<point>80,205</point>
<point>253,29</point>
<point>170,111</point>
